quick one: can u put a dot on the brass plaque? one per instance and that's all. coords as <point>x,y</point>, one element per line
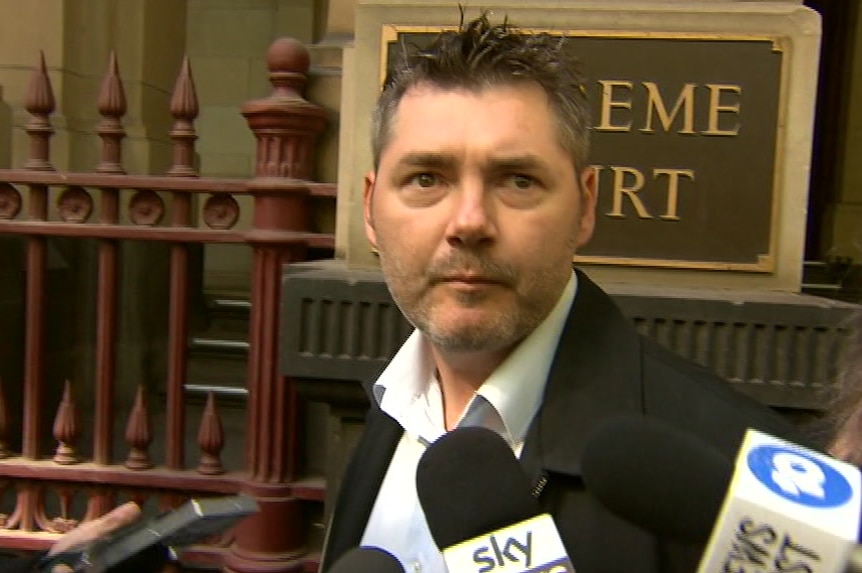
<point>686,133</point>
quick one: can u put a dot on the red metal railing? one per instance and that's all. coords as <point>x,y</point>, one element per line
<point>285,127</point>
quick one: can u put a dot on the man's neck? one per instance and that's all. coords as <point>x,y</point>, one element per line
<point>462,373</point>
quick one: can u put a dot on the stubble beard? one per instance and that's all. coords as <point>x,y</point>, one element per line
<point>502,327</point>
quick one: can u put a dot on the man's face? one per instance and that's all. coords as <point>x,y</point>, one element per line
<point>476,211</point>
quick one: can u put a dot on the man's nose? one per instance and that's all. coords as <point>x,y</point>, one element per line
<point>473,222</point>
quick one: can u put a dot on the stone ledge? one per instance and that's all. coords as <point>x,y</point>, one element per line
<point>340,326</point>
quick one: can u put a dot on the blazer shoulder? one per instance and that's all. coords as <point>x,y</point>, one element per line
<point>698,400</point>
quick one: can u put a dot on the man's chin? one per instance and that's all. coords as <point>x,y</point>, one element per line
<point>473,337</point>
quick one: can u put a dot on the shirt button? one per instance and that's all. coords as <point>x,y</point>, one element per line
<point>416,567</point>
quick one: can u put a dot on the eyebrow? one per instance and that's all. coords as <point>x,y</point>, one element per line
<point>518,163</point>
<point>430,160</point>
<point>527,162</point>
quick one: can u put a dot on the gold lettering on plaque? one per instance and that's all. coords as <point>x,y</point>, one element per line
<point>684,102</point>
<point>608,104</point>
<point>716,107</point>
<point>630,191</point>
<point>673,176</point>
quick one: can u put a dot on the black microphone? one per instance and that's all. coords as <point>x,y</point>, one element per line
<point>661,479</point>
<point>477,503</point>
<point>782,507</point>
<point>367,560</point>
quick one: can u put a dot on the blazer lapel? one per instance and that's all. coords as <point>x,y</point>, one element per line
<point>360,485</point>
<point>596,375</point>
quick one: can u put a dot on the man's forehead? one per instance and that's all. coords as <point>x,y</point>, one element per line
<point>515,88</point>
<point>427,105</point>
<point>417,127</point>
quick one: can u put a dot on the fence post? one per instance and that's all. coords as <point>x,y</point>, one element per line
<point>285,126</point>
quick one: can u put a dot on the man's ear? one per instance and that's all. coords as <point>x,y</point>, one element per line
<point>588,181</point>
<point>367,197</point>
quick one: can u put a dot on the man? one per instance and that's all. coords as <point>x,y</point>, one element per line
<point>480,195</point>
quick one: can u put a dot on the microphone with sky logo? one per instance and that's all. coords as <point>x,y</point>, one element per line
<point>787,509</point>
<point>477,502</point>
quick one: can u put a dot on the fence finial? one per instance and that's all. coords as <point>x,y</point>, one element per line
<point>210,439</point>
<point>66,428</point>
<point>285,124</point>
<point>184,108</point>
<point>40,103</point>
<point>112,107</point>
<point>288,62</point>
<point>139,434</point>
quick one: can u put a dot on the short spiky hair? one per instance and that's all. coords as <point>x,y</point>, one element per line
<point>480,55</point>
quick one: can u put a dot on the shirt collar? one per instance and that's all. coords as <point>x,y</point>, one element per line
<point>514,389</point>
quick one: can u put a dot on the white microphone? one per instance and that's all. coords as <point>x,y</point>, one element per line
<point>788,509</point>
<point>477,502</point>
<point>782,508</point>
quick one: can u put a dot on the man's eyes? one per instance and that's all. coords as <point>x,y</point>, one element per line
<point>521,182</point>
<point>424,180</point>
<point>518,181</point>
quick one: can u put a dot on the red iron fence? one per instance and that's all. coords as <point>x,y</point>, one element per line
<point>37,202</point>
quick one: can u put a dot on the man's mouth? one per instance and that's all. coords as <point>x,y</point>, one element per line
<point>470,279</point>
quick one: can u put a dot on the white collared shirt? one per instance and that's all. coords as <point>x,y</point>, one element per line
<point>409,392</point>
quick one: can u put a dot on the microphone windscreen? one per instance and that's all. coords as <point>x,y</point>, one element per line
<point>470,483</point>
<point>367,560</point>
<point>656,476</point>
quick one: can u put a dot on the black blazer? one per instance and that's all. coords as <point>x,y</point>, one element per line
<point>602,368</point>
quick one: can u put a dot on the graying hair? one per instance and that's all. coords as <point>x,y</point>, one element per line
<point>479,55</point>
